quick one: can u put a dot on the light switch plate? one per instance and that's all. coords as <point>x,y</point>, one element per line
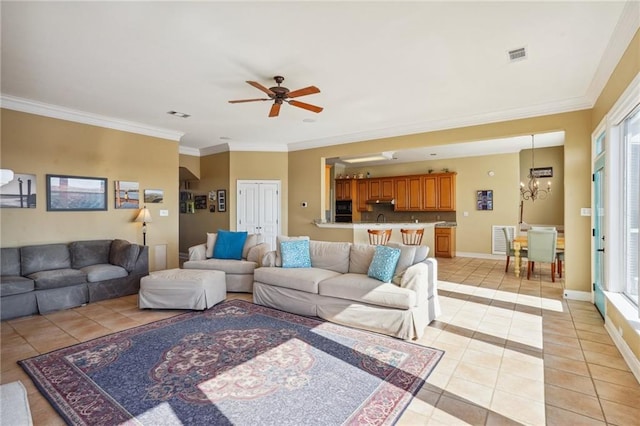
<point>465,214</point>
<point>585,211</point>
<point>164,212</point>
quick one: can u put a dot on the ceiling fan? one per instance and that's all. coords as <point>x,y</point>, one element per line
<point>281,94</point>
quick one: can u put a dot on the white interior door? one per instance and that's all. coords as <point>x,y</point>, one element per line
<point>259,209</point>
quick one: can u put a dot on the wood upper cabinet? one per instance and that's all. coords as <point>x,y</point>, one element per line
<point>408,193</point>
<point>362,195</point>
<point>381,188</point>
<point>343,189</point>
<point>439,192</point>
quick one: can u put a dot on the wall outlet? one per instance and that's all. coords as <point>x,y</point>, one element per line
<point>585,211</point>
<point>304,204</point>
<point>465,214</point>
<point>164,212</point>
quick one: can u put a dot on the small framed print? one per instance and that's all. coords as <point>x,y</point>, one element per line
<point>76,193</point>
<point>222,200</point>
<point>484,199</point>
<point>541,172</point>
<point>200,201</point>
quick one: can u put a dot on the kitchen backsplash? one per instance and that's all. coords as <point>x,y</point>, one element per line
<point>393,216</point>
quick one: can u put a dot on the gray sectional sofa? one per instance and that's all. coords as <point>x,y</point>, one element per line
<point>337,288</point>
<point>44,278</point>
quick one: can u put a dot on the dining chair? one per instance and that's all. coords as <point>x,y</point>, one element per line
<point>559,253</point>
<point>379,237</point>
<point>508,238</point>
<point>541,246</point>
<point>412,237</point>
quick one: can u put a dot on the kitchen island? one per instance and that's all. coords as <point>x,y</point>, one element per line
<point>360,234</point>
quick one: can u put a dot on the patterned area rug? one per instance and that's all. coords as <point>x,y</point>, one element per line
<point>237,363</point>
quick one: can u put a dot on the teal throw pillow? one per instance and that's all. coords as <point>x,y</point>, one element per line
<point>295,254</point>
<point>384,263</point>
<point>229,245</point>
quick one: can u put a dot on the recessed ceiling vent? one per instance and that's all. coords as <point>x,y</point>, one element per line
<point>517,54</point>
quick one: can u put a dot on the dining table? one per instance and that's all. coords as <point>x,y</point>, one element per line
<point>521,242</point>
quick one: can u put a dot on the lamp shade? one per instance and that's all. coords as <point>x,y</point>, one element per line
<point>144,216</point>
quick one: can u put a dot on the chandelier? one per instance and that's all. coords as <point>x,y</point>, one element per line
<point>532,191</point>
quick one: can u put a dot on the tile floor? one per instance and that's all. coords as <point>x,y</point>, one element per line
<point>516,352</point>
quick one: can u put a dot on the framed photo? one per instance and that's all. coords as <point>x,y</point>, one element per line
<point>222,200</point>
<point>19,193</point>
<point>76,193</point>
<point>538,172</point>
<point>127,194</point>
<point>153,196</point>
<point>201,202</point>
<point>484,199</point>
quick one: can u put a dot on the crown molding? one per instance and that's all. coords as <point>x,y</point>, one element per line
<point>61,113</point>
<point>233,147</point>
<point>569,105</point>
<point>623,33</point>
<point>194,152</point>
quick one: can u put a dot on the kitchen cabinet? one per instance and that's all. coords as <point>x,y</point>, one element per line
<point>343,189</point>
<point>445,242</point>
<point>362,195</point>
<point>381,188</point>
<point>408,193</point>
<point>439,192</point>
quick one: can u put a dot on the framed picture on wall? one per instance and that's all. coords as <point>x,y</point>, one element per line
<point>19,192</point>
<point>484,199</point>
<point>76,193</point>
<point>127,195</point>
<point>222,200</point>
<point>201,202</point>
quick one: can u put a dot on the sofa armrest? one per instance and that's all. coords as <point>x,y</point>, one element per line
<point>142,263</point>
<point>198,252</point>
<point>422,278</point>
<point>269,258</point>
<point>257,252</point>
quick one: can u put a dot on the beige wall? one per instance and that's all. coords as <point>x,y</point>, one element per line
<point>39,145</point>
<point>577,166</point>
<point>549,211</point>
<point>624,73</point>
<point>190,163</point>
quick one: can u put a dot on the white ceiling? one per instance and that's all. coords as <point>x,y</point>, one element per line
<point>384,68</point>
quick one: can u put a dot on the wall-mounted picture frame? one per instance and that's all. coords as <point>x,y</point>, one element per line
<point>539,172</point>
<point>484,199</point>
<point>19,193</point>
<point>222,200</point>
<point>201,202</point>
<point>76,193</point>
<point>127,194</point>
<point>153,196</point>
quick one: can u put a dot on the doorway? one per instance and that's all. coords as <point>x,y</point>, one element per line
<point>259,209</point>
<point>598,226</point>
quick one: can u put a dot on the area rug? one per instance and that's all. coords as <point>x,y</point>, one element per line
<point>236,363</point>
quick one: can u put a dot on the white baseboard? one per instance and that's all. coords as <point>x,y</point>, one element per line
<point>584,296</point>
<point>482,255</point>
<point>625,350</point>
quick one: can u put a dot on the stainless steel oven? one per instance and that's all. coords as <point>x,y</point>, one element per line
<point>343,211</point>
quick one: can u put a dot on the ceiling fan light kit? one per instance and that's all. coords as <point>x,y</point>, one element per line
<point>280,94</point>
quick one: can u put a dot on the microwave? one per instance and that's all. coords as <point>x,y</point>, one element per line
<point>343,207</point>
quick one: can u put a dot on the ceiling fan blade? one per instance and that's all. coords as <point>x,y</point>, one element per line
<point>306,106</point>
<point>302,92</point>
<point>261,87</point>
<point>249,100</point>
<point>275,110</point>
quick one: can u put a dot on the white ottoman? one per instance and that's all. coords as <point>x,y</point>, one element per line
<point>182,289</point>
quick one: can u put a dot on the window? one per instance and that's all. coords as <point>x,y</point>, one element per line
<point>630,135</point>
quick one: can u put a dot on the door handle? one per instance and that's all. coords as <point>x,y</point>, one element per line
<point>602,250</point>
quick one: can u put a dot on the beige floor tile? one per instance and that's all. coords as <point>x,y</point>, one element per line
<point>594,337</point>
<point>563,351</point>
<point>574,401</point>
<point>518,408</point>
<point>557,339</point>
<point>613,375</point>
<point>620,414</point>
<point>567,380</point>
<point>624,395</point>
<point>474,393</point>
<point>533,389</point>
<point>476,373</point>
<point>600,348</point>
<point>559,417</point>
<point>482,359</point>
<point>608,361</point>
<point>460,410</point>
<point>566,364</point>
<point>590,327</point>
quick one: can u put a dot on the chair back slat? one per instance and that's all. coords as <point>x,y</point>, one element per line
<point>379,237</point>
<point>412,237</point>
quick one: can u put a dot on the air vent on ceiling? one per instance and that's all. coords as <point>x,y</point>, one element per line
<point>517,54</point>
<point>179,114</point>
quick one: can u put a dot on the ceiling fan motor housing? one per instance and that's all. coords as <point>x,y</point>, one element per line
<point>280,92</point>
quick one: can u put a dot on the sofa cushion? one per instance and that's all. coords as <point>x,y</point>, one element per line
<point>281,238</point>
<point>239,267</point>
<point>103,272</point>
<point>252,240</point>
<point>407,254</point>
<point>384,263</point>
<point>211,243</point>
<point>330,255</point>
<point>57,278</point>
<point>303,279</point>
<point>421,254</point>
<point>44,257</point>
<point>229,245</point>
<point>15,284</point>
<point>123,253</point>
<point>360,257</point>
<point>360,288</point>
<point>295,254</point>
<point>85,253</point>
<point>10,261</point>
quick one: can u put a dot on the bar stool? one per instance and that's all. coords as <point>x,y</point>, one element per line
<point>412,237</point>
<point>379,237</point>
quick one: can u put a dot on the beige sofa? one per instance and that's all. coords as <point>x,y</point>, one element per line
<point>239,273</point>
<point>337,288</point>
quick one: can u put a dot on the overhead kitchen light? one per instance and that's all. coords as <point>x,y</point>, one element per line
<point>386,155</point>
